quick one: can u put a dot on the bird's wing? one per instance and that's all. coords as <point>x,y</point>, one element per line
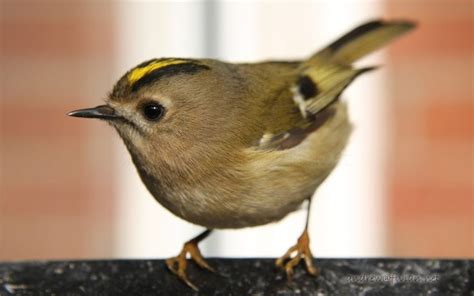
<point>320,80</point>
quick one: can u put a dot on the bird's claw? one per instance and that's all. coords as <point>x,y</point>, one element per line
<point>294,255</point>
<point>178,264</point>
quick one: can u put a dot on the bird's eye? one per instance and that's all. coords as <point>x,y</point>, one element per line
<point>153,111</point>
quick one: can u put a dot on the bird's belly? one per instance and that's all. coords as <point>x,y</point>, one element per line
<point>264,188</point>
<point>234,211</point>
<point>262,196</point>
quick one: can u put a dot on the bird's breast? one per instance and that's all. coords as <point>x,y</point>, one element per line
<point>258,188</point>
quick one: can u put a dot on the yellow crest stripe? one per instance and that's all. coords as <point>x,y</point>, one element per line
<point>137,73</point>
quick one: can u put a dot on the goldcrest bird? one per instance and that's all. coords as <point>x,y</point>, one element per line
<point>227,145</point>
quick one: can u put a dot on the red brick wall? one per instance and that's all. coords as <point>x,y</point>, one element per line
<point>431,159</point>
<point>54,200</point>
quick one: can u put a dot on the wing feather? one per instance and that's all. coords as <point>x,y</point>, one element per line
<point>323,77</point>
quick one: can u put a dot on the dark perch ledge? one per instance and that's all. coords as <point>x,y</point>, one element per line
<point>239,277</point>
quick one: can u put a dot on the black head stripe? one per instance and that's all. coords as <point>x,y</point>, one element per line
<point>167,71</point>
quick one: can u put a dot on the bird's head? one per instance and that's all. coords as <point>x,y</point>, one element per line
<point>170,105</point>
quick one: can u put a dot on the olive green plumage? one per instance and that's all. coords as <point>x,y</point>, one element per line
<point>233,145</point>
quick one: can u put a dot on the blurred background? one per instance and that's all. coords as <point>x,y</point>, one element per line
<point>68,189</point>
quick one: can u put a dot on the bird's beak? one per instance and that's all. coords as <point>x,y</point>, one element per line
<point>101,112</point>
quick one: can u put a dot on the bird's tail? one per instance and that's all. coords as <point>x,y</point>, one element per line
<point>363,40</point>
<point>330,71</point>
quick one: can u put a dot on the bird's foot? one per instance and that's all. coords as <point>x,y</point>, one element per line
<point>294,255</point>
<point>179,263</point>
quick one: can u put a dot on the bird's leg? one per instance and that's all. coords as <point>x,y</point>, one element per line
<point>297,252</point>
<point>178,264</point>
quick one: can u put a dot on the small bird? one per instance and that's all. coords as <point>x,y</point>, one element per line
<point>226,145</point>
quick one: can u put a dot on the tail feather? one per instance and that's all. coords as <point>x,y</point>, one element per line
<point>363,40</point>
<point>327,73</point>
